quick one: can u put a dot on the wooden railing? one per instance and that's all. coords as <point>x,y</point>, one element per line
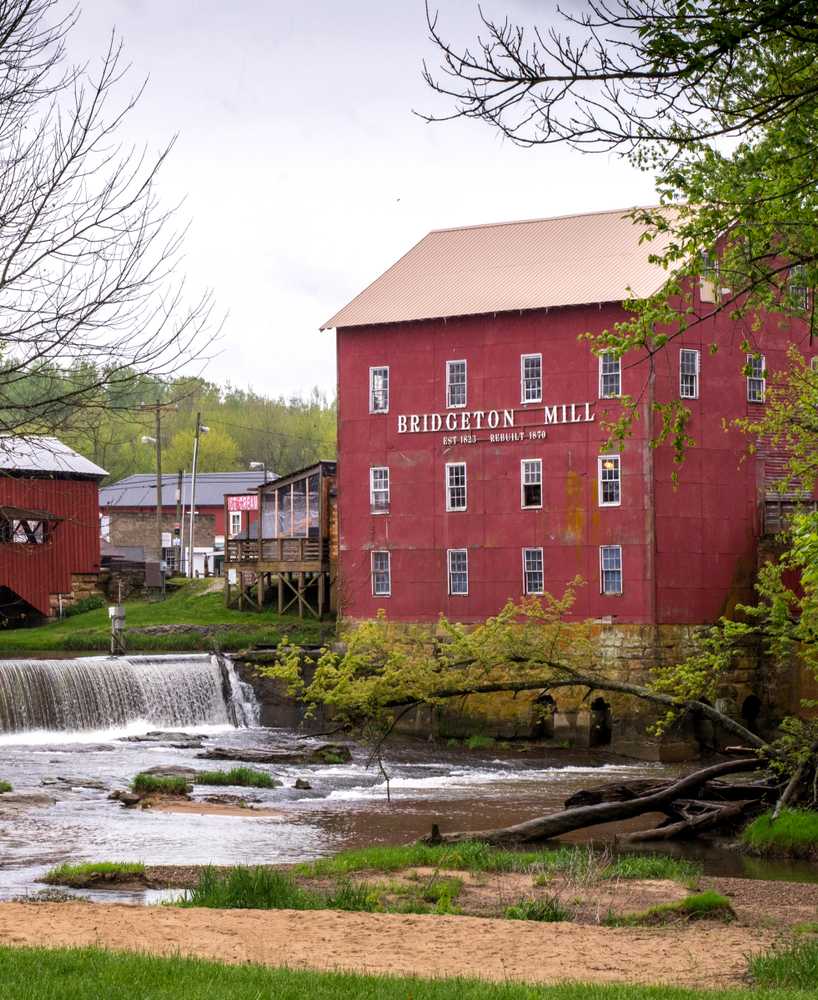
<point>778,514</point>
<point>242,550</point>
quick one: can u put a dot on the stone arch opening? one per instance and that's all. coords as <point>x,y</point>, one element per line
<point>750,711</point>
<point>601,723</point>
<point>703,728</point>
<point>546,707</point>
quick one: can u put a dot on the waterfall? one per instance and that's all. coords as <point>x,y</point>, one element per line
<point>93,693</point>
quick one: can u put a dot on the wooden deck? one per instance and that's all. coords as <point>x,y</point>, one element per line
<point>298,564</point>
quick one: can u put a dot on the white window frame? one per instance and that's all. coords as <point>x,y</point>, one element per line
<point>450,385</point>
<point>756,383</point>
<point>464,570</point>
<point>813,363</point>
<point>527,571</point>
<point>688,391</point>
<point>376,392</point>
<point>603,375</point>
<point>533,393</point>
<point>604,583</point>
<point>709,278</point>
<point>524,474</point>
<point>235,519</point>
<point>378,492</point>
<point>381,573</point>
<point>798,288</point>
<point>450,487</point>
<point>606,474</point>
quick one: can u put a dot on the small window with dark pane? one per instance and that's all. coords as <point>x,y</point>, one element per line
<point>531,475</point>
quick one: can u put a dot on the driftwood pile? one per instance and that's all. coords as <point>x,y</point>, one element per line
<point>699,803</point>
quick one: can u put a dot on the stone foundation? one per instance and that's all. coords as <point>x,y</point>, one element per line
<point>83,585</point>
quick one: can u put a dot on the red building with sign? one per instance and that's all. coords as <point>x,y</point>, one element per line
<point>470,434</point>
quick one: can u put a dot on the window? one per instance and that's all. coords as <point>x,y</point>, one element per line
<point>531,366</point>
<point>458,571</point>
<point>378,390</point>
<point>456,486</point>
<point>609,481</point>
<point>609,376</point>
<point>799,293</point>
<point>709,277</point>
<point>531,482</point>
<point>532,571</point>
<point>610,561</point>
<point>379,491</point>
<point>755,378</point>
<point>813,363</point>
<point>235,522</point>
<point>381,575</point>
<point>689,374</point>
<point>455,383</point>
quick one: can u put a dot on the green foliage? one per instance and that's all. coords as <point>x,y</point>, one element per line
<point>704,906</point>
<point>548,910</point>
<point>243,776</point>
<point>151,783</point>
<point>91,871</point>
<point>478,741</point>
<point>87,604</point>
<point>5,786</point>
<point>794,834</point>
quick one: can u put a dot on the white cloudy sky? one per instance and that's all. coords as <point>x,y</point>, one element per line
<point>303,170</point>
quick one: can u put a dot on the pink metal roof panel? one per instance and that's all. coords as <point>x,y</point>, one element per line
<point>571,260</point>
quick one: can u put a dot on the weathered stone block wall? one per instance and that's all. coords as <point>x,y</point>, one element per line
<point>134,528</point>
<point>83,585</point>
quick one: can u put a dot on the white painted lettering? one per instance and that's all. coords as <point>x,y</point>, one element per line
<point>451,421</point>
<point>508,418</point>
<point>478,416</point>
<point>563,414</point>
<point>414,424</point>
<point>551,415</point>
<point>574,418</point>
<point>437,423</point>
<point>494,419</point>
<point>465,425</point>
<point>401,425</point>
<point>587,412</point>
<point>425,428</point>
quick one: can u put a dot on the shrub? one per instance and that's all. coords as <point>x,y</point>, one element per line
<point>246,777</point>
<point>478,740</point>
<point>6,786</point>
<point>150,783</point>
<point>88,604</point>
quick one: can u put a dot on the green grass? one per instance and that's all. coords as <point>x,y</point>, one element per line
<point>81,874</point>
<point>150,783</point>
<point>548,911</point>
<point>185,604</point>
<point>794,834</point>
<point>97,974</point>
<point>478,741</point>
<point>6,786</point>
<point>247,777</point>
<point>794,967</point>
<point>704,906</point>
<point>577,862</point>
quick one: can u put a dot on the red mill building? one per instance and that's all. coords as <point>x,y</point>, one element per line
<point>471,466</point>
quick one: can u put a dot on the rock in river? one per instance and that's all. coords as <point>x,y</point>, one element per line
<point>329,753</point>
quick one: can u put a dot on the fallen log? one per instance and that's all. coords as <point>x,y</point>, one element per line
<point>688,828</point>
<point>617,791</point>
<point>545,827</point>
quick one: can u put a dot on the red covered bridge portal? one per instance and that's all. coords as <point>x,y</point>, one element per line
<point>49,528</point>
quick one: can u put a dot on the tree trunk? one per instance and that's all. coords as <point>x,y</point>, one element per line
<point>545,827</point>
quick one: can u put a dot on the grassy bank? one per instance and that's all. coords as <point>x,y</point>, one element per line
<point>793,835</point>
<point>242,776</point>
<point>80,876</point>
<point>189,604</point>
<point>97,974</point>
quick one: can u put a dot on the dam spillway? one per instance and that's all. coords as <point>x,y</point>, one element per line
<point>94,693</point>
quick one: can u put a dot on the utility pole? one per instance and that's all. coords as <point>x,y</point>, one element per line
<point>159,408</point>
<point>200,429</point>
<point>177,540</point>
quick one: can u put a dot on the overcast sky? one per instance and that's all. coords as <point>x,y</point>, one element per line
<point>304,172</point>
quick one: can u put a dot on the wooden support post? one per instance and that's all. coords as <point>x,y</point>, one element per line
<point>227,591</point>
<point>260,591</point>
<point>301,586</point>
<point>280,592</point>
<point>321,577</point>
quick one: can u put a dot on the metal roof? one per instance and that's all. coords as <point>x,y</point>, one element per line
<point>211,487</point>
<point>541,263</point>
<point>44,454</point>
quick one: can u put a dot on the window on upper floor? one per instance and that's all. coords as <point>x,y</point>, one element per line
<point>378,390</point>
<point>531,378</point>
<point>709,278</point>
<point>455,383</point>
<point>689,374</point>
<point>610,376</point>
<point>235,522</point>
<point>609,495</point>
<point>610,569</point>
<point>756,378</point>
<point>458,560</point>
<point>381,575</point>
<point>456,486</point>
<point>799,292</point>
<point>531,482</point>
<point>379,490</point>
<point>532,571</point>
